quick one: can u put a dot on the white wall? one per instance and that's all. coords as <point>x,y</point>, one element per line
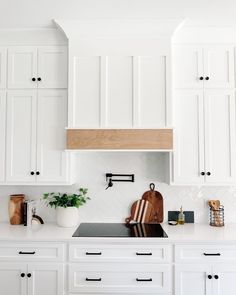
<point>31,13</point>
<point>113,205</point>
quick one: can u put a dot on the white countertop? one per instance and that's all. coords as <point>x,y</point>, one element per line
<point>180,233</point>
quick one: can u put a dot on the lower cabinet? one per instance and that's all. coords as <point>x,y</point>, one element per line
<point>31,279</point>
<point>218,279</point>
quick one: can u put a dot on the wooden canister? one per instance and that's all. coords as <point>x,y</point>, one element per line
<point>16,209</point>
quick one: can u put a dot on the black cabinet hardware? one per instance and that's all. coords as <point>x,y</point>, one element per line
<point>200,78</point>
<point>93,253</point>
<point>207,78</point>
<point>37,173</point>
<point>202,173</point>
<point>93,280</point>
<point>216,277</point>
<point>22,275</point>
<point>32,173</point>
<point>27,253</point>
<point>144,280</point>
<point>39,79</point>
<point>211,254</point>
<point>143,254</point>
<point>208,173</point>
<point>33,79</point>
<point>29,275</point>
<point>209,277</point>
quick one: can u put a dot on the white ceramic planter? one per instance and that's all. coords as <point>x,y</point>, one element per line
<point>67,217</point>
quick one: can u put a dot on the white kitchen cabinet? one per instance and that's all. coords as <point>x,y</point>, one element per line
<point>2,134</point>
<point>203,66</point>
<point>3,67</point>
<point>120,92</point>
<point>36,124</point>
<point>225,283</point>
<point>37,67</point>
<point>205,137</point>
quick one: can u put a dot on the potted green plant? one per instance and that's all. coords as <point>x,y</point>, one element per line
<point>66,206</point>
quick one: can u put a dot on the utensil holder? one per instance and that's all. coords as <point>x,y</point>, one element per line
<point>217,216</point>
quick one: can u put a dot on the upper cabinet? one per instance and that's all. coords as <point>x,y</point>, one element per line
<point>32,67</point>
<point>2,134</point>
<point>203,66</point>
<point>3,67</point>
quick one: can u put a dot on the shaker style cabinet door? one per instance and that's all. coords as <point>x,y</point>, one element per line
<point>224,279</point>
<point>45,279</point>
<point>188,67</point>
<point>22,67</point>
<point>218,67</point>
<point>51,136</point>
<point>220,136</point>
<point>13,279</point>
<point>52,67</point>
<point>21,136</point>
<point>188,158</point>
<point>2,134</point>
<point>3,67</point>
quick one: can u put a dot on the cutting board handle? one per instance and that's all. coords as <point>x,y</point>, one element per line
<point>152,186</point>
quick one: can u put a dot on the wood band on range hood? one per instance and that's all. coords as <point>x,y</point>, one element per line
<point>141,139</point>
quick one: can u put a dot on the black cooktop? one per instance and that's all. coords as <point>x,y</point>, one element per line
<point>120,230</point>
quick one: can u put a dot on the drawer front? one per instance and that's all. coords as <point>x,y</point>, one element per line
<point>107,277</point>
<point>31,252</point>
<point>140,253</point>
<point>204,253</point>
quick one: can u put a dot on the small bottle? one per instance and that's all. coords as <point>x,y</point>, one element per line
<point>181,216</point>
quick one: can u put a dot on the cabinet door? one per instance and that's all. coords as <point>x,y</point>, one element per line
<point>220,136</point>
<point>21,136</point>
<point>22,67</point>
<point>219,67</point>
<point>51,136</point>
<point>188,67</point>
<point>3,65</point>
<point>188,157</point>
<point>52,67</point>
<point>224,279</point>
<point>11,282</point>
<point>2,134</point>
<point>193,279</point>
<point>46,279</point>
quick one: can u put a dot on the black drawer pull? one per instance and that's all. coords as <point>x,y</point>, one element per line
<point>93,253</point>
<point>93,280</point>
<point>144,280</point>
<point>27,253</point>
<point>211,254</point>
<point>144,254</point>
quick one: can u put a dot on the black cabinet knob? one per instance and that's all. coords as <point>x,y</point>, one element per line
<point>32,173</point>
<point>39,79</point>
<point>209,277</point>
<point>29,275</point>
<point>37,173</point>
<point>202,173</point>
<point>216,277</point>
<point>208,173</point>
<point>200,78</point>
<point>33,79</point>
<point>22,275</point>
<point>207,78</point>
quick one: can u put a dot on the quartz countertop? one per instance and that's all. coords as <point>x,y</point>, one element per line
<point>176,234</point>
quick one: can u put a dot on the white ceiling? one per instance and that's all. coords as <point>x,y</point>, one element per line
<point>39,13</point>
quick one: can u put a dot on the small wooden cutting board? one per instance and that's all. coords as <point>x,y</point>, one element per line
<point>142,211</point>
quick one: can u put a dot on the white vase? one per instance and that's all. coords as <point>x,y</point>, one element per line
<point>67,217</point>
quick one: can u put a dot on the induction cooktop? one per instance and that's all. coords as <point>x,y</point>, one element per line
<point>120,230</point>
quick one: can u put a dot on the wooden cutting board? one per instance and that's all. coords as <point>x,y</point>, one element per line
<point>142,211</point>
<point>156,199</point>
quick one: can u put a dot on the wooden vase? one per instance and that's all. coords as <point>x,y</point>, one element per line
<point>16,209</point>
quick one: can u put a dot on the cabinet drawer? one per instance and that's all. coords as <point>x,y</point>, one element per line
<point>31,251</point>
<point>140,253</point>
<point>107,277</point>
<point>204,253</point>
